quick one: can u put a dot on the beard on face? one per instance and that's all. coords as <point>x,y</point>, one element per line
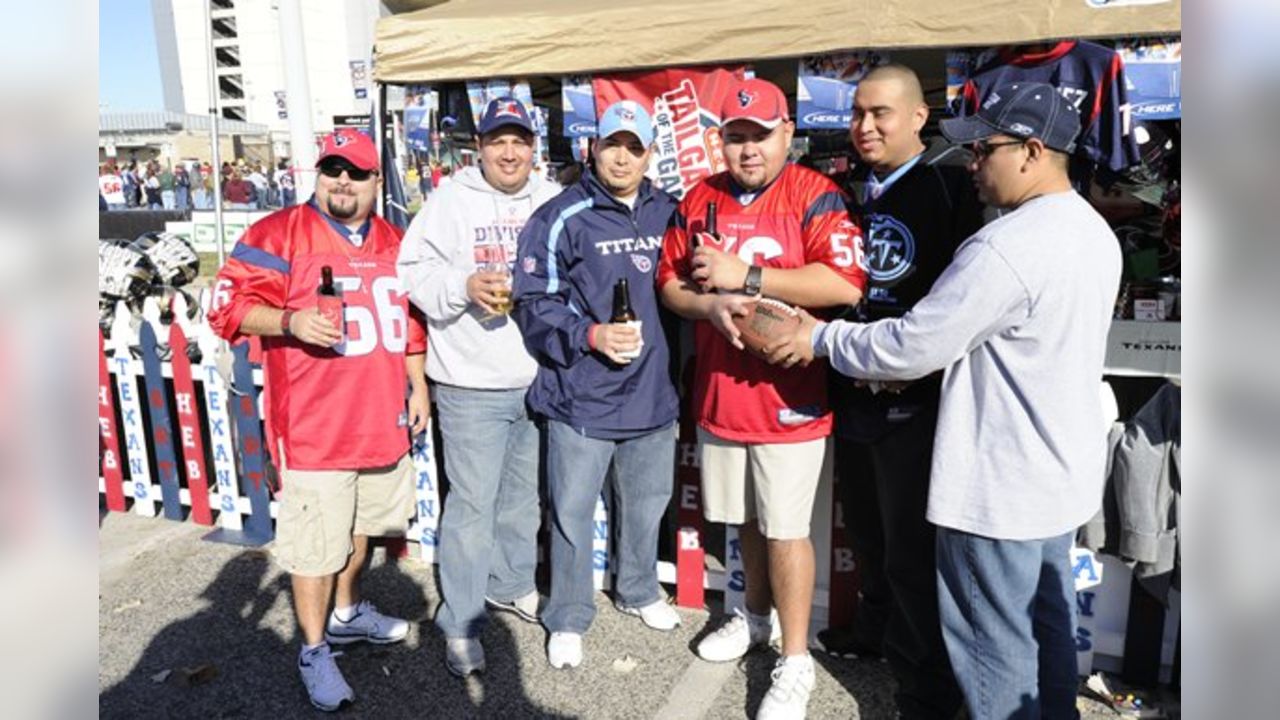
<point>340,212</point>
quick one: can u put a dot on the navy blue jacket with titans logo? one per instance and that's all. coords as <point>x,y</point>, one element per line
<point>571,253</point>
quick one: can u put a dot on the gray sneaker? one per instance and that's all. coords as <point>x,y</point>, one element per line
<point>526,607</point>
<point>367,625</point>
<point>463,656</point>
<point>326,687</point>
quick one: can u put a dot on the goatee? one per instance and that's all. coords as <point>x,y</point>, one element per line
<point>341,213</point>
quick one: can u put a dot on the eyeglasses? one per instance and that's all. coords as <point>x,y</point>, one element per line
<point>335,170</point>
<point>984,150</point>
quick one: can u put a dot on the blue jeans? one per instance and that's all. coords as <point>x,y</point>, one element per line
<point>489,530</point>
<point>643,477</point>
<point>1008,619</point>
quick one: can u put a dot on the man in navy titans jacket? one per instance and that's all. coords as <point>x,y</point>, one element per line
<point>602,387</point>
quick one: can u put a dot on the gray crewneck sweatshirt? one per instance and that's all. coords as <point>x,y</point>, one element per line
<point>1019,321</point>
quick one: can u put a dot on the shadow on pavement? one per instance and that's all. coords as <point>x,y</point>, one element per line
<point>869,682</point>
<point>236,627</point>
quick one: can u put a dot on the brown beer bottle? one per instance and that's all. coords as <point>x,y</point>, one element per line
<point>622,311</point>
<point>327,288</point>
<point>328,301</point>
<point>708,226</point>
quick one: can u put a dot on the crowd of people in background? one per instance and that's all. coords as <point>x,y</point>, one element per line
<point>189,185</point>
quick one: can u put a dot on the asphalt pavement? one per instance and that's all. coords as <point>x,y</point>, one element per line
<point>191,628</point>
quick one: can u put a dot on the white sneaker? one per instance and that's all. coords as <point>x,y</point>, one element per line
<point>463,656</point>
<point>564,649</point>
<point>526,607</point>
<point>788,696</point>
<point>366,625</point>
<point>325,685</point>
<point>737,636</point>
<point>658,615</point>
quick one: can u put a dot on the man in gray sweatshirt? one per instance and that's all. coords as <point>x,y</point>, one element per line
<point>1018,322</point>
<point>456,261</point>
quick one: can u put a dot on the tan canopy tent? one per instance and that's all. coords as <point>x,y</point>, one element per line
<point>472,39</point>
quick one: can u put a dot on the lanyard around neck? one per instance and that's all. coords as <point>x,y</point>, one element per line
<point>877,187</point>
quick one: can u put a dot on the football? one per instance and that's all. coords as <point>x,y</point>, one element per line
<point>767,322</point>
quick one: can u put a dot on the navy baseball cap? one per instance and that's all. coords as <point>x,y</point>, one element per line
<point>1022,110</point>
<point>626,116</point>
<point>502,111</point>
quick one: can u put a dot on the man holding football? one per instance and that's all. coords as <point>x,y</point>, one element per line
<point>764,433</point>
<point>1020,447</point>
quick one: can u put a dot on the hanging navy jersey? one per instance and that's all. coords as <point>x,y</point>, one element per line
<point>1089,75</point>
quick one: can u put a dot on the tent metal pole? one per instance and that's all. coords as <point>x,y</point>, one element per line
<point>216,154</point>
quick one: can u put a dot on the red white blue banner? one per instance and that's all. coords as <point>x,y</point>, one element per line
<point>685,105</point>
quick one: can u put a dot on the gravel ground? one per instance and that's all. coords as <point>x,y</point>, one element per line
<point>189,628</point>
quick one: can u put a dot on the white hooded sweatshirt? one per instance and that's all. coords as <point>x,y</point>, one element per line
<point>463,225</point>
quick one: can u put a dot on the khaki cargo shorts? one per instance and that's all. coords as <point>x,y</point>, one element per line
<point>321,509</point>
<point>773,483</point>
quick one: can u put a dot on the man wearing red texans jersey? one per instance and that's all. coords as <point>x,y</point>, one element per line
<point>336,417</point>
<point>764,435</point>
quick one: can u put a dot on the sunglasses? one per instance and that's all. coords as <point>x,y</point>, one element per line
<point>984,150</point>
<point>335,170</point>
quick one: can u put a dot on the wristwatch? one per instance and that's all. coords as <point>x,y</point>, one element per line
<point>285,317</point>
<point>755,274</point>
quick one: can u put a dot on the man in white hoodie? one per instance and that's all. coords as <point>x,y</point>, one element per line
<point>456,261</point>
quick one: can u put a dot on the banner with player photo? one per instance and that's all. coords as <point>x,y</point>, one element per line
<point>420,103</point>
<point>579,105</point>
<point>1153,76</point>
<point>825,86</point>
<point>685,105</point>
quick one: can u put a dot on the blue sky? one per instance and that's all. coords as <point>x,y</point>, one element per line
<point>128,65</point>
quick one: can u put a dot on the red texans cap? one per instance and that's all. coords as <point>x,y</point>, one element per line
<point>351,145</point>
<point>759,101</point>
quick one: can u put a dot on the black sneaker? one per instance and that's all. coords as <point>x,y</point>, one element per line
<point>843,642</point>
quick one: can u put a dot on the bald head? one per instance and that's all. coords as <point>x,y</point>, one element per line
<point>888,115</point>
<point>912,93</point>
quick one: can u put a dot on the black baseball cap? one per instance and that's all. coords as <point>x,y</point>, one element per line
<point>1022,110</point>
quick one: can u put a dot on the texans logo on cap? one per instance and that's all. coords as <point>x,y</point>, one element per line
<point>508,109</point>
<point>745,99</point>
<point>627,114</point>
<point>340,139</point>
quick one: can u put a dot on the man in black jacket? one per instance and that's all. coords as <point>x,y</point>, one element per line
<point>916,203</point>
